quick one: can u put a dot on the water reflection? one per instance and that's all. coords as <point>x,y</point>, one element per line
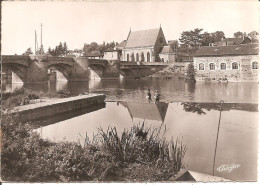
<point>237,142</point>
<point>68,115</point>
<point>174,90</point>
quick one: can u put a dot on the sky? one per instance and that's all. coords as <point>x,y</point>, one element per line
<point>81,22</point>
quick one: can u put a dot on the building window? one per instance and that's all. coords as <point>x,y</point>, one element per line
<point>235,65</point>
<point>127,57</point>
<point>201,66</point>
<point>223,66</point>
<point>148,57</point>
<point>255,65</point>
<point>137,57</point>
<point>211,66</point>
<point>162,60</point>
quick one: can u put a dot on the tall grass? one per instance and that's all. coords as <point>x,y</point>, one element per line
<point>143,145</point>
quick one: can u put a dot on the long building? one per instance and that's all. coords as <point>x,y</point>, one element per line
<point>227,63</point>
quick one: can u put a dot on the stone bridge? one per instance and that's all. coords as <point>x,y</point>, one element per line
<point>37,68</point>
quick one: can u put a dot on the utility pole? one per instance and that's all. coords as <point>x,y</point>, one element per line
<point>35,43</point>
<point>41,39</point>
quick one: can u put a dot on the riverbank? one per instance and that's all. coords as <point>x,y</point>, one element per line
<point>170,72</point>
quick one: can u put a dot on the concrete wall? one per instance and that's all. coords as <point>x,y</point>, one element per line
<point>112,55</point>
<point>57,107</point>
<point>243,73</point>
<point>167,57</point>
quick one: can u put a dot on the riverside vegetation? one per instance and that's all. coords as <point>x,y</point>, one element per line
<point>136,154</point>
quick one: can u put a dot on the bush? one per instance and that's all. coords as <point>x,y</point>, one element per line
<point>190,73</point>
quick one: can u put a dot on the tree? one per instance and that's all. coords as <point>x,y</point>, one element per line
<point>190,73</point>
<point>238,34</point>
<point>28,52</point>
<point>208,38</point>
<point>191,40</point>
<point>65,49</point>
<point>218,36</point>
<point>60,49</point>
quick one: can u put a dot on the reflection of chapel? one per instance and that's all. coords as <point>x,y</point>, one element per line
<point>144,45</point>
<point>147,111</point>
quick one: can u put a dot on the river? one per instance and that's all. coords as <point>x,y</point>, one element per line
<point>174,90</point>
<point>126,105</point>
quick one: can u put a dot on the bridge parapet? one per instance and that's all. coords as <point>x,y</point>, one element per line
<point>143,63</point>
<point>59,60</point>
<point>101,62</point>
<point>126,65</point>
<point>16,59</point>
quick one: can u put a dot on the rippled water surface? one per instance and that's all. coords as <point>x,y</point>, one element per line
<point>170,90</point>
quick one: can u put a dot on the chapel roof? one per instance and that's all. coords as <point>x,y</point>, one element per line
<point>142,38</point>
<point>148,111</point>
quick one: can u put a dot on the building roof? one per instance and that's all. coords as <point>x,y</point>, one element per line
<point>234,40</point>
<point>142,38</point>
<point>121,45</point>
<point>166,50</point>
<point>173,42</point>
<point>112,50</point>
<point>242,49</point>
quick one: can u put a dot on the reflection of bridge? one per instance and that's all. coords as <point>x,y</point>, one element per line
<point>36,68</point>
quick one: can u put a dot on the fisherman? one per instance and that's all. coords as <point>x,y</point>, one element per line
<point>149,96</point>
<point>157,96</point>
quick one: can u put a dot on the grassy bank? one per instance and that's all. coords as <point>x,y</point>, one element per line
<point>136,154</point>
<point>170,72</point>
<point>24,96</point>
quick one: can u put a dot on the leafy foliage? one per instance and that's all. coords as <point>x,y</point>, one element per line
<point>190,72</point>
<point>238,34</point>
<point>193,39</point>
<point>28,52</point>
<point>60,50</point>
<point>89,48</point>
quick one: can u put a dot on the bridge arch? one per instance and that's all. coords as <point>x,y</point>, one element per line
<point>65,69</point>
<point>18,69</point>
<point>96,71</point>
